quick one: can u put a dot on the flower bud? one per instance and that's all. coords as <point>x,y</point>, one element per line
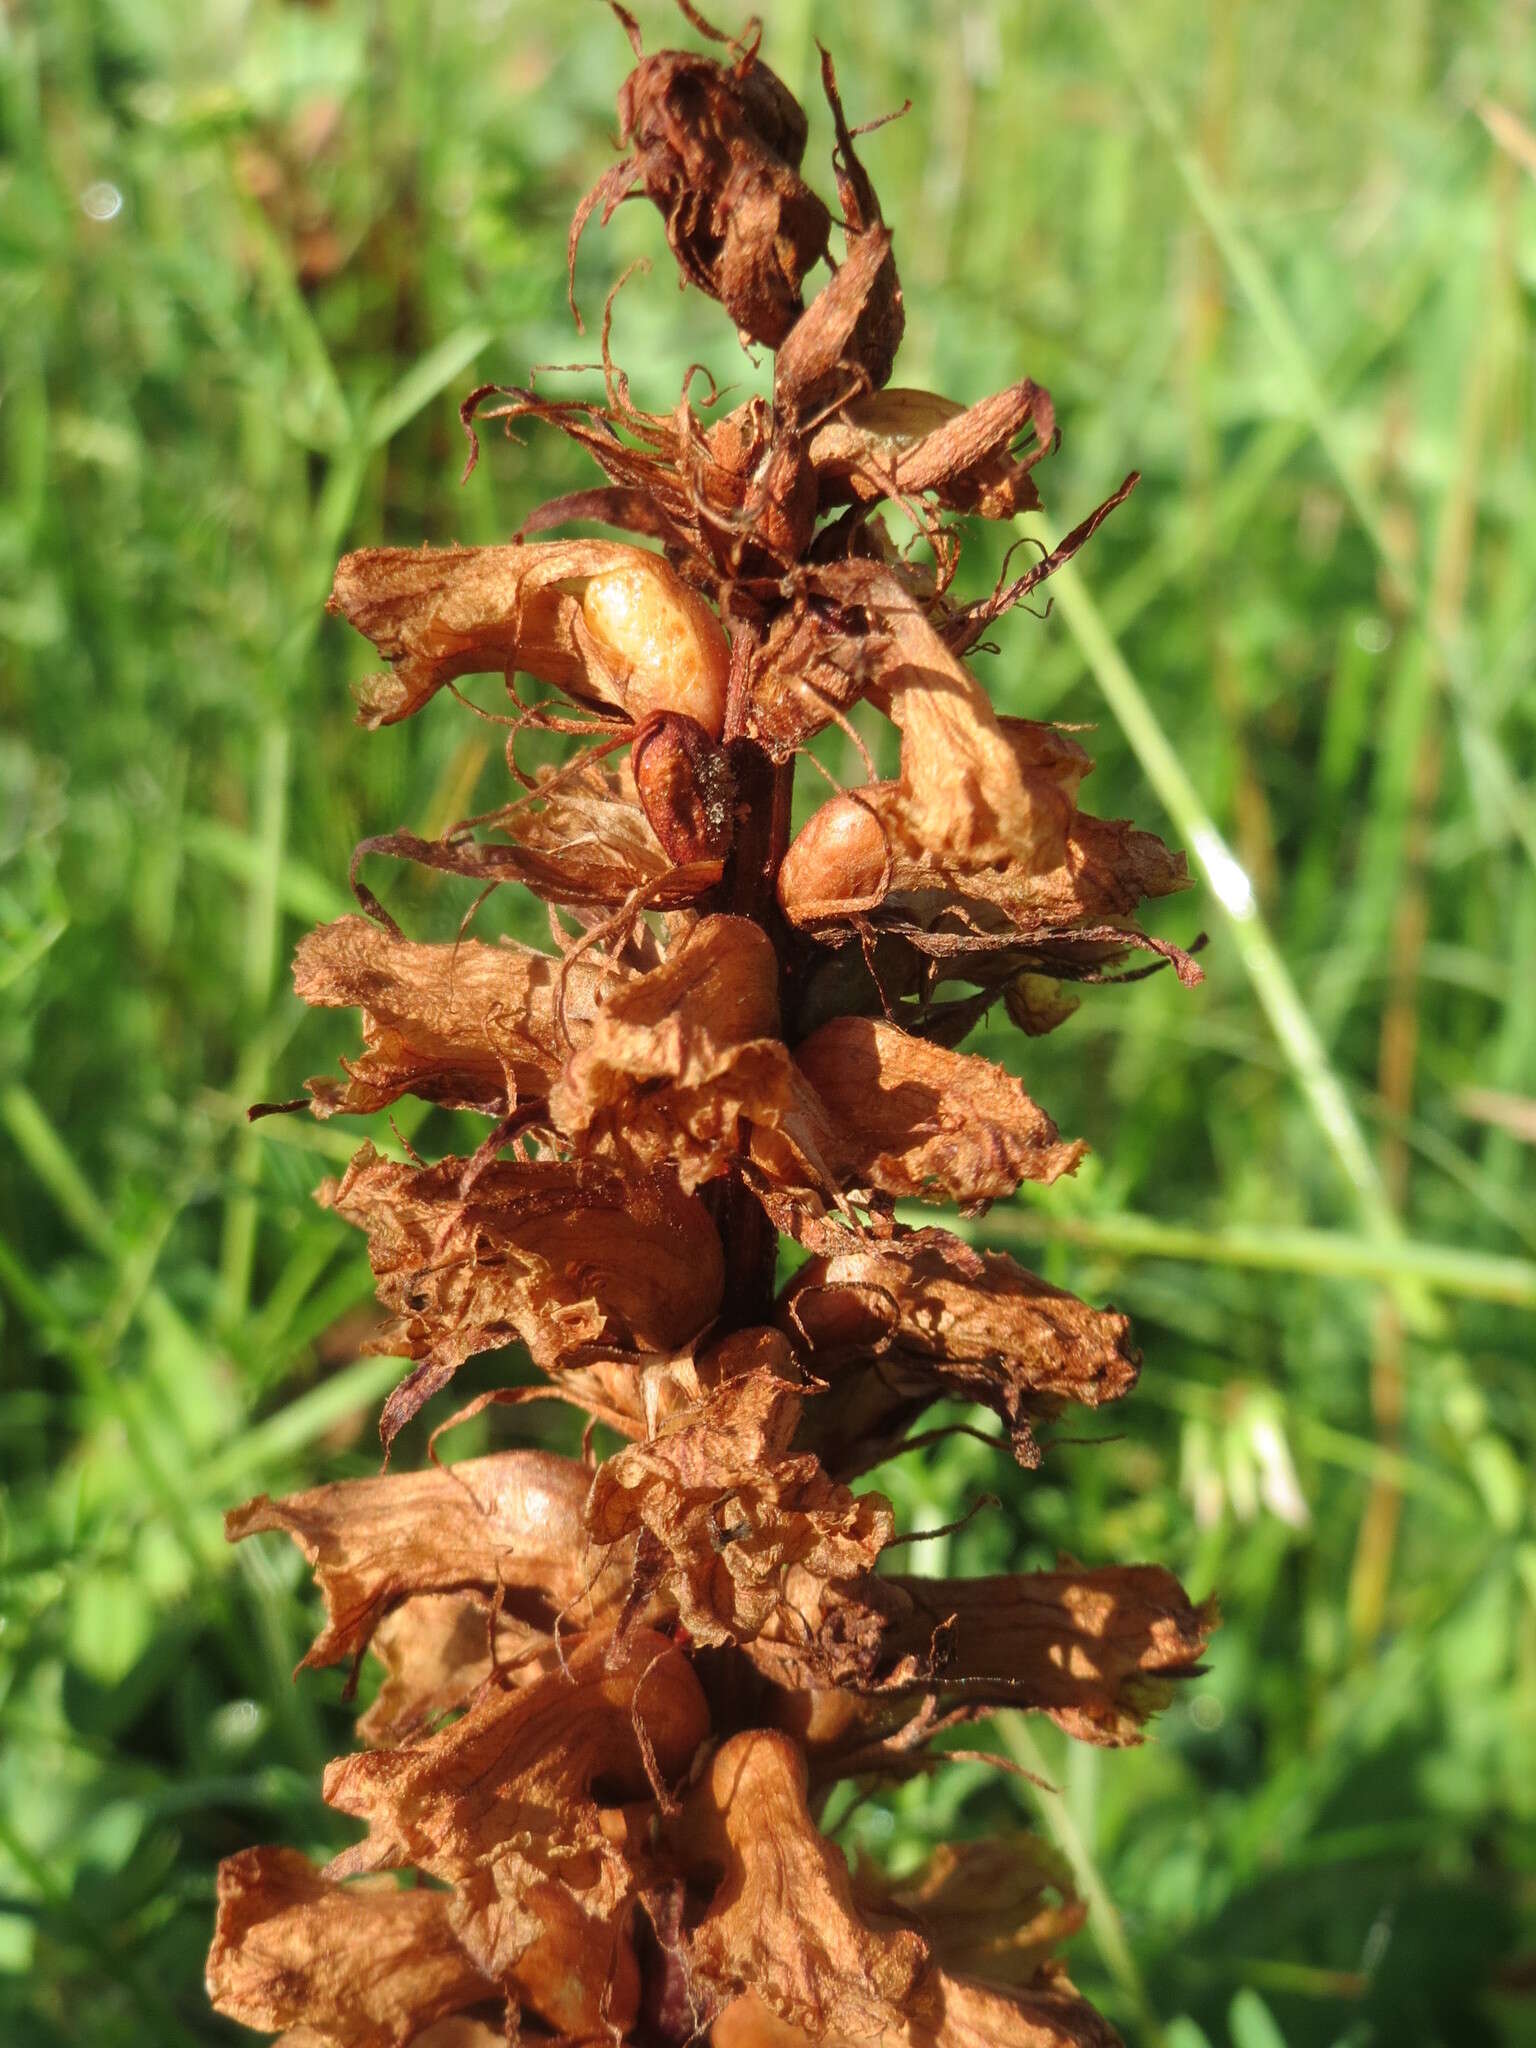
<point>666,637</point>
<point>838,862</point>
<point>686,788</point>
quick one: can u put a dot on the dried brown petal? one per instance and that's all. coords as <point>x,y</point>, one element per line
<point>436,1651</point>
<point>362,1967</point>
<point>665,647</point>
<point>983,821</point>
<point>728,1510</point>
<point>685,1065</point>
<point>469,1026</point>
<point>461,2031</point>
<point>606,623</point>
<point>894,1329</point>
<point>560,1256</point>
<point>916,1120</point>
<point>783,1927</point>
<point>520,1805</point>
<point>1037,1004</point>
<point>1096,1650</point>
<point>511,1521</point>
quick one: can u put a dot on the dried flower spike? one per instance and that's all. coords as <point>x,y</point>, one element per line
<point>615,1692</point>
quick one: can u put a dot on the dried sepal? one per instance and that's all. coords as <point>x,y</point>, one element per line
<point>509,1525</point>
<point>916,1120</point>
<point>359,1966</point>
<point>563,1257</point>
<point>893,1328</point>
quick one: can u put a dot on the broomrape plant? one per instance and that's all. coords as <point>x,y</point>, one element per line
<point>617,1692</point>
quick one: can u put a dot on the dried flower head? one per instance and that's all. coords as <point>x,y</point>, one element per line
<point>614,1691</point>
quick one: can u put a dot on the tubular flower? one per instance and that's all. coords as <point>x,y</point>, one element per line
<point>614,1692</point>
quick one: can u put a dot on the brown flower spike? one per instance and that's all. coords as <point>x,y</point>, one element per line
<point>617,1691</point>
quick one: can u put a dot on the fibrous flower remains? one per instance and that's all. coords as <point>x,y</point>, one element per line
<point>616,1693</point>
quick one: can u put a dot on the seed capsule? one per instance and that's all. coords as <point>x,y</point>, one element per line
<point>685,787</point>
<point>838,862</point>
<point>670,647</point>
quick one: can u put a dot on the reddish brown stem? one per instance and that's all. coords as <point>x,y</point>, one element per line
<point>747,889</point>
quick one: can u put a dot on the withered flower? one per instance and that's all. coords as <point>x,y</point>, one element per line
<point>614,1690</point>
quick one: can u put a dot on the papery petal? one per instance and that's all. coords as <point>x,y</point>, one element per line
<point>436,614</point>
<point>469,1026</point>
<point>436,1651</point>
<point>729,1509</point>
<point>362,1967</point>
<point>898,443</point>
<point>685,1065</point>
<point>1096,1650</point>
<point>783,1926</point>
<point>511,1521</point>
<point>987,1907</point>
<point>894,1329</point>
<point>561,1256</point>
<point>914,1119</point>
<point>520,1806</point>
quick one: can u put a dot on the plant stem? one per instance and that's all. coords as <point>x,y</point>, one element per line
<point>763,792</point>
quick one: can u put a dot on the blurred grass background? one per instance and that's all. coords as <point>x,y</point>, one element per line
<point>1279,256</point>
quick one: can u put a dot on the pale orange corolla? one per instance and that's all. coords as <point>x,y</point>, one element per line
<point>671,649</point>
